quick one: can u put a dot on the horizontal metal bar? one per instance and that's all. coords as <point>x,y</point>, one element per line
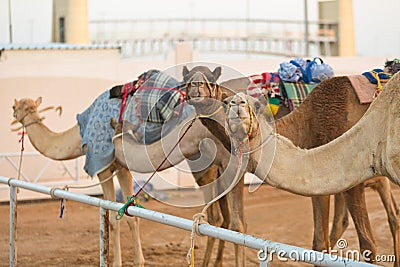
<point>319,258</point>
<point>211,20</point>
<point>17,154</point>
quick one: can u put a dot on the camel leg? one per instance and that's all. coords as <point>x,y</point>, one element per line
<point>321,223</point>
<point>382,185</point>
<point>226,219</point>
<point>235,198</point>
<point>355,199</point>
<point>126,184</point>
<point>213,213</point>
<point>109,194</point>
<point>340,219</point>
<point>214,219</point>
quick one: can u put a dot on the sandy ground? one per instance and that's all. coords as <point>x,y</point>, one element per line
<point>46,240</point>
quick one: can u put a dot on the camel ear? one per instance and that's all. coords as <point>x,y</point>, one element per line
<point>217,73</point>
<point>185,71</point>
<point>38,101</point>
<point>16,103</point>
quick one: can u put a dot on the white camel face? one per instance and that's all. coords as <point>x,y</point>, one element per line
<point>24,107</point>
<point>241,118</point>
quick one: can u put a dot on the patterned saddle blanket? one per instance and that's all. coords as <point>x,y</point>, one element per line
<point>153,102</point>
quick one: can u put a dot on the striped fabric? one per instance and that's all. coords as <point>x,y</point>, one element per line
<point>157,96</point>
<point>296,93</point>
<point>265,83</point>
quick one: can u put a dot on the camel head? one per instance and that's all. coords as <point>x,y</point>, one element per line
<point>24,107</point>
<point>242,121</point>
<point>392,66</point>
<point>201,83</point>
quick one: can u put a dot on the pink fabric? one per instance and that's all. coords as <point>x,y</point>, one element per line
<point>363,88</point>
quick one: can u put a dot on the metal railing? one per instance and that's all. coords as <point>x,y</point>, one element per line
<point>271,37</point>
<point>74,174</point>
<point>262,245</point>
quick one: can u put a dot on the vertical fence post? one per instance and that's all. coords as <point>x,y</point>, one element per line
<point>13,225</point>
<point>104,237</point>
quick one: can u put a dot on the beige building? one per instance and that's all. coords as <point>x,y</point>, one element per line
<point>70,21</point>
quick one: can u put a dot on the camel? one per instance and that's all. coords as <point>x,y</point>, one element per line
<point>309,128</point>
<point>126,147</point>
<point>68,145</point>
<point>372,154</point>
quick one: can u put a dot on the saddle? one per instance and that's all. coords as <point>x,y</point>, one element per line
<point>291,94</point>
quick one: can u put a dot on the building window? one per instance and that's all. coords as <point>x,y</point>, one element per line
<point>62,29</point>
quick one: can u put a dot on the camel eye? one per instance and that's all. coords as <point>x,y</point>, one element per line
<point>193,84</point>
<point>13,107</point>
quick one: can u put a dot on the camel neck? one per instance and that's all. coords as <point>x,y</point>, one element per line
<point>331,168</point>
<point>58,146</point>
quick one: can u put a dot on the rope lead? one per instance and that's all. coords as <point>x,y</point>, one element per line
<point>131,201</point>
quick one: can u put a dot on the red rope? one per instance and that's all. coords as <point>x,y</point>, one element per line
<point>126,89</point>
<point>21,140</point>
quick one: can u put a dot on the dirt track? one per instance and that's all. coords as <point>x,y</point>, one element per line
<point>46,240</point>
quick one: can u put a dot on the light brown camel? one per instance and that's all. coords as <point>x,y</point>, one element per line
<point>67,145</point>
<point>372,154</point>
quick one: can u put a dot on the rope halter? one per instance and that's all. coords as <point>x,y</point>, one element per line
<point>29,112</point>
<point>251,119</point>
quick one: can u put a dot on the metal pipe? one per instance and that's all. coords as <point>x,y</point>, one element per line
<point>13,225</point>
<point>282,250</point>
<point>10,21</point>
